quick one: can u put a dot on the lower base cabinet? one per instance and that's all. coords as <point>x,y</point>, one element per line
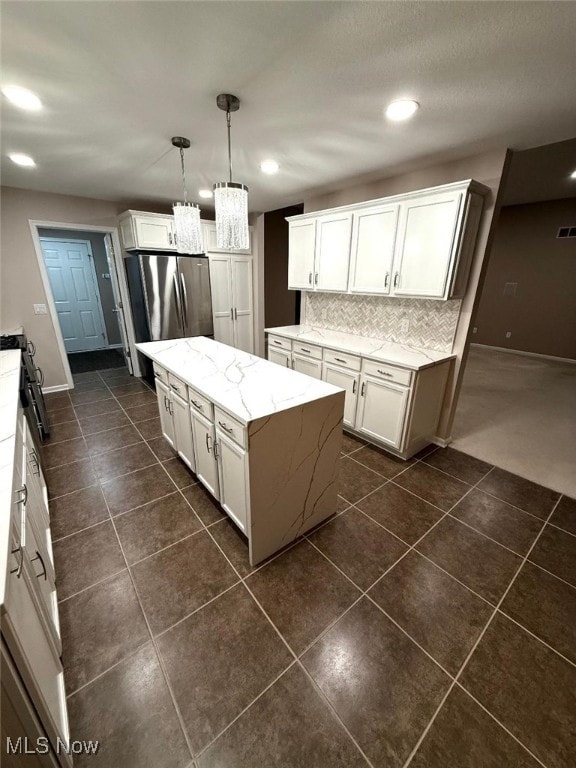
<point>166,421</point>
<point>205,453</point>
<point>348,381</point>
<point>280,357</point>
<point>233,478</point>
<point>183,442</point>
<point>382,412</point>
<point>307,365</point>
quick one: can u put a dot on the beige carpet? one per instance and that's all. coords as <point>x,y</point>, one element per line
<point>519,412</point>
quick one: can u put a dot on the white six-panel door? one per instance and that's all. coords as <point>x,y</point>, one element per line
<point>72,276</point>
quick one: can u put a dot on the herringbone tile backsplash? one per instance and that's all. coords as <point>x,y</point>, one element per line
<point>430,324</point>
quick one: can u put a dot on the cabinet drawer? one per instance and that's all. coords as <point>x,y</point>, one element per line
<point>160,373</point>
<point>387,372</point>
<point>309,350</point>
<point>231,427</point>
<point>201,404</point>
<point>343,359</point>
<point>177,385</point>
<point>281,343</point>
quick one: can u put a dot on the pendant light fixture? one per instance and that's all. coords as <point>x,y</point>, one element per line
<point>188,232</point>
<point>230,198</point>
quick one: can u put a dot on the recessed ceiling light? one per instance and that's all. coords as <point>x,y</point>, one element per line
<point>573,175</point>
<point>269,166</point>
<point>20,159</point>
<point>22,97</point>
<point>205,192</point>
<point>401,109</point>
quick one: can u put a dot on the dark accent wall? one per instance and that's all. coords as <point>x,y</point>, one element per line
<point>530,286</point>
<point>101,263</point>
<point>281,306</point>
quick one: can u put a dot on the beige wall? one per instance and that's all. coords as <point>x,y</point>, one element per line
<point>20,281</point>
<point>542,314</point>
<point>487,168</point>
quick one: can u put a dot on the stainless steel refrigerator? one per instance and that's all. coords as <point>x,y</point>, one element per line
<point>170,296</point>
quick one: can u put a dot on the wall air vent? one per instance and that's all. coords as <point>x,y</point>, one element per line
<point>564,232</point>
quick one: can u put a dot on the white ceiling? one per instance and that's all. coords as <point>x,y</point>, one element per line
<point>118,79</point>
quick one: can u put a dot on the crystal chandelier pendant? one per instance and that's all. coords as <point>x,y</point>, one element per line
<point>231,204</point>
<point>188,228</point>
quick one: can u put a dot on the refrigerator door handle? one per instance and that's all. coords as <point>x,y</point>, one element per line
<point>184,301</point>
<point>177,295</point>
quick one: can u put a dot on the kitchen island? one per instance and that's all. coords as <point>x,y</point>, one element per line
<point>262,439</point>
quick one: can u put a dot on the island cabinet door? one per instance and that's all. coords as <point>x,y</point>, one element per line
<point>233,472</point>
<point>348,381</point>
<point>382,411</point>
<point>206,465</point>
<point>165,408</point>
<point>183,431</point>
<point>279,356</point>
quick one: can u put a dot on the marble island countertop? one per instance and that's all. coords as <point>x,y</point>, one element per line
<point>244,385</point>
<point>374,349</point>
<point>9,398</point>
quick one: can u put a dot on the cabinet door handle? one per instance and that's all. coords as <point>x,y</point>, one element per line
<point>292,364</point>
<point>386,279</point>
<point>216,449</point>
<point>235,313</point>
<point>208,440</point>
<point>231,314</point>
<point>385,373</point>
<point>171,408</point>
<point>31,348</point>
<point>196,405</point>
<point>18,570</point>
<point>24,492</point>
<point>38,556</point>
<point>287,362</point>
<point>396,279</point>
<point>170,238</point>
<point>363,388</point>
<point>165,403</point>
<point>316,279</point>
<point>354,387</point>
<point>225,428</point>
<point>36,463</point>
<point>310,278</point>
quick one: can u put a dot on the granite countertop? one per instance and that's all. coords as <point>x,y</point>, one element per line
<point>375,349</point>
<point>9,399</point>
<point>244,385</point>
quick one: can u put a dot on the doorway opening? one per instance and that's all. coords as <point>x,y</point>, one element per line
<point>83,276</point>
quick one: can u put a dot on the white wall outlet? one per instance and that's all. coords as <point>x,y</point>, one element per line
<point>475,330</point>
<point>40,309</point>
<point>508,334</point>
<point>404,325</point>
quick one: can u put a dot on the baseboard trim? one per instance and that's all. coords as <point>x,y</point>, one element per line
<point>442,442</point>
<point>56,388</point>
<point>570,360</point>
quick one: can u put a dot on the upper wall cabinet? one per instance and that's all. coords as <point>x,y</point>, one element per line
<point>417,245</point>
<point>147,230</point>
<point>209,233</point>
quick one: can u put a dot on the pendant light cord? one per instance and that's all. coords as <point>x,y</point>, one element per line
<point>229,123</point>
<point>183,175</point>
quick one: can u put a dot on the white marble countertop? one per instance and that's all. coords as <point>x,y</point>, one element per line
<point>374,349</point>
<point>244,385</point>
<point>9,398</point>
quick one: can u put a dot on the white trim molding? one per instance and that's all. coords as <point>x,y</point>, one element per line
<point>570,360</point>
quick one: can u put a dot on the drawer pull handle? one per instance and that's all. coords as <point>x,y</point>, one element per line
<point>39,557</point>
<point>196,405</point>
<point>385,373</point>
<point>340,360</point>
<point>363,388</point>
<point>18,570</point>
<point>175,388</point>
<point>303,349</point>
<point>208,439</point>
<point>225,428</point>
<point>279,343</point>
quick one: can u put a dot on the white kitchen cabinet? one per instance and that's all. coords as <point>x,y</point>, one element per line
<point>183,430</point>
<point>426,244</point>
<point>372,252</point>
<point>204,441</point>
<point>333,252</point>
<point>307,365</point>
<point>382,411</point>
<point>301,253</point>
<point>139,229</point>
<point>165,411</point>
<point>419,244</point>
<point>280,357</point>
<point>232,300</point>
<point>348,380</point>
<point>210,243</point>
<point>233,478</point>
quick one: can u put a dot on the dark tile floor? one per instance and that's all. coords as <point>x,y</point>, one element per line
<point>431,622</point>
